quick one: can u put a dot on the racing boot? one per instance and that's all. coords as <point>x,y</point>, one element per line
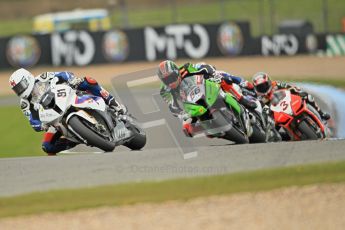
<point>324,116</point>
<point>187,128</point>
<point>118,107</point>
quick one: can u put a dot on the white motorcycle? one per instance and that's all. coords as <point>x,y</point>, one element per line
<point>85,118</point>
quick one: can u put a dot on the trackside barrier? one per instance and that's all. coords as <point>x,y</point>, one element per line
<point>189,41</point>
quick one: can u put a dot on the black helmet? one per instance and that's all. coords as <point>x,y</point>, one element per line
<point>169,73</point>
<point>262,83</point>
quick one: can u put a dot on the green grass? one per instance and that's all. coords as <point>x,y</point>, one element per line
<point>17,137</point>
<point>257,12</point>
<point>179,189</point>
<point>18,26</point>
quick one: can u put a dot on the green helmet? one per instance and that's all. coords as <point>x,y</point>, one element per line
<point>169,73</point>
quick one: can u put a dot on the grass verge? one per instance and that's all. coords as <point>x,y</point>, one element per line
<point>179,189</point>
<point>264,16</point>
<point>18,139</point>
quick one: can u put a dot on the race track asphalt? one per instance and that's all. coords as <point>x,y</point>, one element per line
<point>31,174</point>
<point>160,159</point>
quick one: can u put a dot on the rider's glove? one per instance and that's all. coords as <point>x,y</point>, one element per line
<point>118,107</point>
<point>74,82</point>
<point>299,92</point>
<point>303,94</point>
<point>217,78</point>
<point>184,71</point>
<point>210,70</point>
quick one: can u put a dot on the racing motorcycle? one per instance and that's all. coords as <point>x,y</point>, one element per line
<point>217,112</point>
<point>85,118</point>
<point>299,119</point>
<point>264,126</point>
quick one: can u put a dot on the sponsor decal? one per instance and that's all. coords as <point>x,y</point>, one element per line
<point>86,99</point>
<point>177,38</point>
<point>23,51</point>
<point>311,43</point>
<point>24,105</point>
<point>230,39</point>
<point>72,47</point>
<point>335,45</point>
<point>281,44</point>
<point>13,83</point>
<point>115,46</point>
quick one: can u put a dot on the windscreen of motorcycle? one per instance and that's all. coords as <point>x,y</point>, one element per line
<point>62,98</point>
<point>39,89</point>
<point>192,88</point>
<point>283,105</point>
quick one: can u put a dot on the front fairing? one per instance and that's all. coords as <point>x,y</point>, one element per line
<point>196,90</point>
<point>89,102</point>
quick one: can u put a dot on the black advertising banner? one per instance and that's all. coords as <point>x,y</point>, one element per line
<point>192,41</point>
<point>24,51</point>
<point>197,41</point>
<point>82,48</point>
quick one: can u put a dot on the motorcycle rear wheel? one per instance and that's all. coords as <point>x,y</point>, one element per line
<point>258,136</point>
<point>138,140</point>
<point>234,135</point>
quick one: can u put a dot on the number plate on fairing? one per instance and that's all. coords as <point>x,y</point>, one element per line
<point>284,104</point>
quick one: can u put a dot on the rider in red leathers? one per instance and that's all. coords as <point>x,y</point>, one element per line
<point>265,87</point>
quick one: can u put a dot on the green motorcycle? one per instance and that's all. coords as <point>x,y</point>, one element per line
<point>217,113</point>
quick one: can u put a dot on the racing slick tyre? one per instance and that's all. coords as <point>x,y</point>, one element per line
<point>234,135</point>
<point>258,136</point>
<point>138,141</point>
<point>89,135</point>
<point>307,131</point>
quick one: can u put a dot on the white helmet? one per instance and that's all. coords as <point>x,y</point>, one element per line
<point>22,82</point>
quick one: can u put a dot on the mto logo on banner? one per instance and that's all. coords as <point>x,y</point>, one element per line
<point>280,44</point>
<point>193,40</point>
<point>72,48</point>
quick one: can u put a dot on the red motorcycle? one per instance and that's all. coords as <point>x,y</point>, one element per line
<point>299,119</point>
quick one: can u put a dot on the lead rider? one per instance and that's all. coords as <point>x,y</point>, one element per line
<point>30,89</point>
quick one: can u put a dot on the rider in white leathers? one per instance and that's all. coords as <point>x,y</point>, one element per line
<point>30,89</point>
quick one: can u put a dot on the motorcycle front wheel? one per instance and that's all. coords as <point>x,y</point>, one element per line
<point>91,137</point>
<point>307,131</point>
